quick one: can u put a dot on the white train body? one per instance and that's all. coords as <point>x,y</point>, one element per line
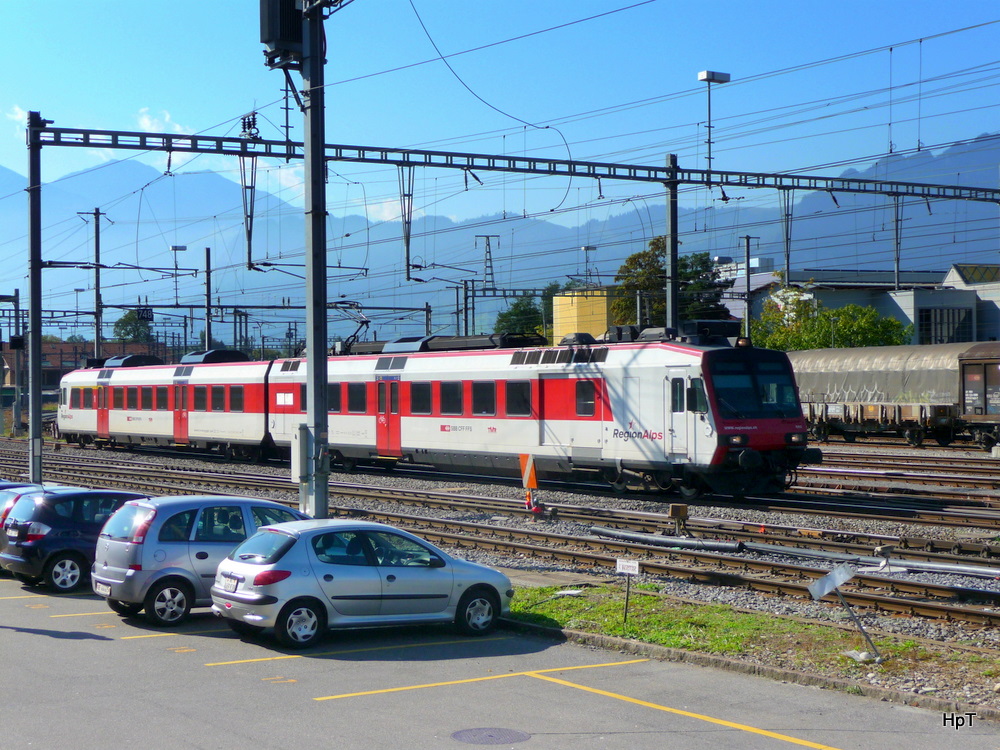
<point>665,413</point>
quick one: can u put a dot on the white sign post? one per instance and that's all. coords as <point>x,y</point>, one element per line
<point>629,568</point>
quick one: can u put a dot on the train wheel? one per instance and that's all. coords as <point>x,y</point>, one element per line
<point>944,436</point>
<point>914,436</point>
<point>690,489</point>
<point>349,465</point>
<point>849,437</point>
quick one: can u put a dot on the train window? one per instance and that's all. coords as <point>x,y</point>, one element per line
<point>585,398</point>
<point>381,397</point>
<point>677,395</point>
<point>697,402</point>
<point>451,398</point>
<point>218,398</point>
<point>132,398</point>
<point>303,392</point>
<point>420,398</point>
<point>146,397</point>
<point>200,398</point>
<point>74,398</point>
<point>88,398</point>
<point>117,398</point>
<point>161,398</point>
<point>333,397</point>
<point>357,398</point>
<point>518,393</point>
<point>484,398</point>
<point>236,398</point>
<point>383,363</point>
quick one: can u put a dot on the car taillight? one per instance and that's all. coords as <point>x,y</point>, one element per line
<point>270,576</point>
<point>139,535</point>
<point>36,531</point>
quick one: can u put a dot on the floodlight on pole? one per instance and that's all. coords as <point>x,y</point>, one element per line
<point>710,77</point>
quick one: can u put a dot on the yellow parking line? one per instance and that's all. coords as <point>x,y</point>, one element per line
<point>352,651</point>
<point>86,614</point>
<point>679,712</point>
<point>477,679</point>
<point>171,633</point>
<point>23,596</point>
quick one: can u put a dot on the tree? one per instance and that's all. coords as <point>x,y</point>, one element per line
<point>76,338</point>
<point>130,329</point>
<point>643,274</point>
<point>523,316</point>
<point>792,320</point>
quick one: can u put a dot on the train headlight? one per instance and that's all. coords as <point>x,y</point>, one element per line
<point>797,438</point>
<point>735,441</point>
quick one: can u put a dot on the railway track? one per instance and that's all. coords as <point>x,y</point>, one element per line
<point>882,593</point>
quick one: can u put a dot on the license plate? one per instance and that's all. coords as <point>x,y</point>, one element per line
<point>102,589</point>
<point>229,584</point>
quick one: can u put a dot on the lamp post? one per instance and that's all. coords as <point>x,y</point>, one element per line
<point>710,77</point>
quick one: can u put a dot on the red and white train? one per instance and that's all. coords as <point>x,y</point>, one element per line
<point>667,412</point>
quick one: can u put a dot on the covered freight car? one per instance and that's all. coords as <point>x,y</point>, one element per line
<point>911,391</point>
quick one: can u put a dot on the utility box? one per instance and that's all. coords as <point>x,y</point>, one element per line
<point>281,28</point>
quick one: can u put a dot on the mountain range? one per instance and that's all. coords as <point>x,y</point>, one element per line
<point>145,212</point>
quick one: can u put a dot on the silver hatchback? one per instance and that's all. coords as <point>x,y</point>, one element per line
<point>305,577</point>
<point>160,554</point>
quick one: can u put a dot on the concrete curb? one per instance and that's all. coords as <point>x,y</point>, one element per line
<point>664,653</point>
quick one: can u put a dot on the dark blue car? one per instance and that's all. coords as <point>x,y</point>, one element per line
<point>52,534</point>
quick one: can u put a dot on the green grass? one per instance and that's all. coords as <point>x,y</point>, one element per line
<point>721,630</point>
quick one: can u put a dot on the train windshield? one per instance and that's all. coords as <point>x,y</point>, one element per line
<point>751,388</point>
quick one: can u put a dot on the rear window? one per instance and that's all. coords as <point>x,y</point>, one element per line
<point>24,508</point>
<point>263,548</point>
<point>121,525</point>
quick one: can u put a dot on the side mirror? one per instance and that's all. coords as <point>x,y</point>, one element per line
<point>435,562</point>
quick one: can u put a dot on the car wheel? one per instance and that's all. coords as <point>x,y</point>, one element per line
<point>64,572</point>
<point>125,609</point>
<point>478,610</point>
<point>243,628</point>
<point>300,624</point>
<point>168,603</point>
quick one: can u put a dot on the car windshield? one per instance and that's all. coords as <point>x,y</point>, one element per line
<point>265,547</point>
<point>749,389</point>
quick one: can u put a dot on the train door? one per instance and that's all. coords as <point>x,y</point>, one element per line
<point>103,429</point>
<point>180,414</point>
<point>675,419</point>
<point>387,431</point>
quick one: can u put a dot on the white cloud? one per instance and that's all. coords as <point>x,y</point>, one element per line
<point>18,115</point>
<point>164,123</point>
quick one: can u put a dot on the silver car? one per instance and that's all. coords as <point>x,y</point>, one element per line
<point>305,577</point>
<point>160,554</point>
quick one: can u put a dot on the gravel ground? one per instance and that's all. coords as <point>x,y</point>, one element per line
<point>978,684</point>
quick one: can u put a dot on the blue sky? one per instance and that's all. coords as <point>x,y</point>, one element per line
<point>618,87</point>
<point>816,88</point>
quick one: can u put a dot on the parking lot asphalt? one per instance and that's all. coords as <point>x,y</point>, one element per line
<point>77,675</point>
